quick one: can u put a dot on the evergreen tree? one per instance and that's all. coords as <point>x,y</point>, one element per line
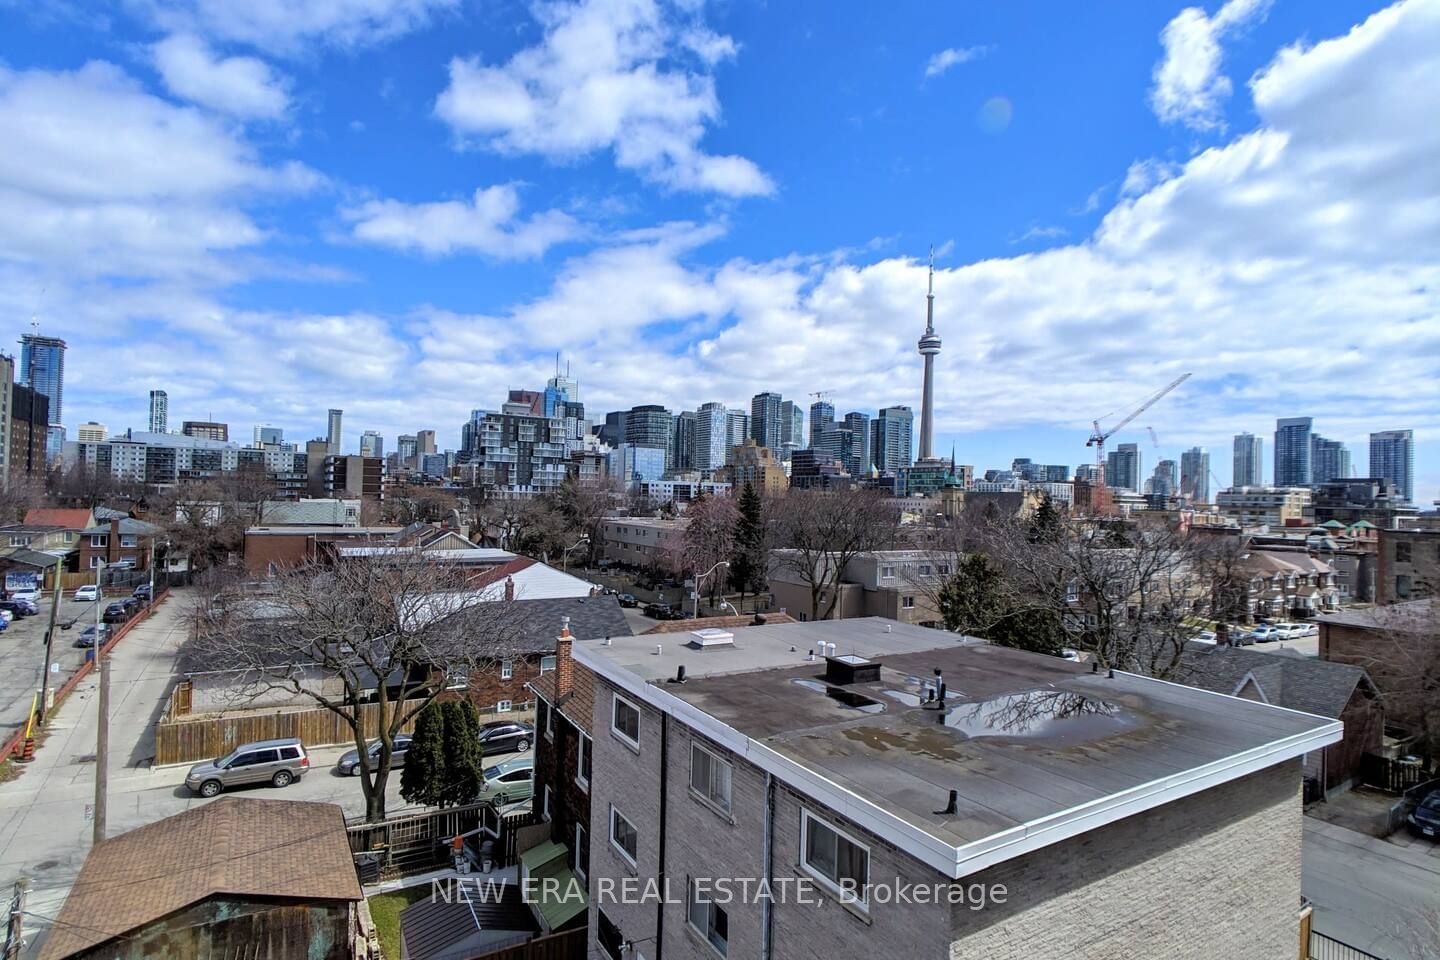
<point>1045,526</point>
<point>463,754</point>
<point>747,563</point>
<point>980,601</point>
<point>423,778</point>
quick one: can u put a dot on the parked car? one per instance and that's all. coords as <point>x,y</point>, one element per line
<point>276,762</point>
<point>115,612</point>
<point>1267,633</point>
<point>1205,636</point>
<point>88,592</point>
<point>128,563</point>
<point>28,594</point>
<point>1424,820</point>
<point>1290,631</point>
<point>87,636</point>
<point>506,736</point>
<point>628,600</point>
<point>1241,636</point>
<point>142,592</point>
<point>509,781</point>
<point>132,606</point>
<point>662,611</point>
<point>1309,629</point>
<point>349,765</point>
<point>7,615</point>
<point>18,608</point>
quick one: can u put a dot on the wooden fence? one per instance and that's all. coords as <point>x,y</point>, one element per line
<point>566,945</point>
<point>416,842</point>
<point>187,739</point>
<point>1392,776</point>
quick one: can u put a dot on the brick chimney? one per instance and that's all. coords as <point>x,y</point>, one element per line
<point>564,663</point>
<point>509,588</point>
<point>112,548</point>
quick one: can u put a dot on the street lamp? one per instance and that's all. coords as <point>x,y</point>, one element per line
<point>695,610</point>
<point>565,554</point>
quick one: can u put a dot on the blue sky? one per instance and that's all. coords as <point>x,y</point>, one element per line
<point>403,207</point>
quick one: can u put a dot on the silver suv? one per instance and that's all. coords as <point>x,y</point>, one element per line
<point>276,762</point>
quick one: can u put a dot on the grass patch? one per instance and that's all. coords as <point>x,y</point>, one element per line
<point>385,911</point>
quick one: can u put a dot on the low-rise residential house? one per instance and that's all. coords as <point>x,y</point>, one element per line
<point>1286,679</point>
<point>48,529</point>
<point>1409,565</point>
<point>915,794</point>
<point>1289,583</point>
<point>636,541</point>
<point>120,542</point>
<point>269,549</point>
<point>897,584</point>
<point>236,877</point>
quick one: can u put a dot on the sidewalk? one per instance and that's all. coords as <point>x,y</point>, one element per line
<point>45,814</point>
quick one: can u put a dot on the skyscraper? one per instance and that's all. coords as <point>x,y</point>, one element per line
<point>892,439</point>
<point>737,432</point>
<point>266,435</point>
<point>159,411</point>
<point>406,450</point>
<point>1329,460</point>
<point>372,444</point>
<point>684,443</point>
<point>42,368</point>
<point>712,436</point>
<point>332,433</point>
<point>1123,467</point>
<point>822,418</point>
<point>859,425</point>
<point>424,442</point>
<point>929,349</point>
<point>765,426</point>
<point>792,429</point>
<point>1164,482</point>
<point>1392,456</point>
<point>1292,451</point>
<point>1248,464</point>
<point>651,425</point>
<point>1195,475</point>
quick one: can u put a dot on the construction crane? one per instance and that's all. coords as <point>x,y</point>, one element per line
<point>1098,436</point>
<point>823,396</point>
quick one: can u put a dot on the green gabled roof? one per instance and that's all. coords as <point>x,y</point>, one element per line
<point>1334,524</point>
<point>1363,523</point>
<point>555,904</point>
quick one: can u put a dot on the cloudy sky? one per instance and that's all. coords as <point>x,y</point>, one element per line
<point>404,207</point>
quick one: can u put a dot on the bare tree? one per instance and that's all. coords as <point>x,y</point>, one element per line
<point>707,539</point>
<point>818,532</point>
<point>409,503</point>
<point>1401,652</point>
<point>23,494</point>
<point>387,632</point>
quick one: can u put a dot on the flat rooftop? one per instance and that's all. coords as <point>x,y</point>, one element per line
<point>1036,748</point>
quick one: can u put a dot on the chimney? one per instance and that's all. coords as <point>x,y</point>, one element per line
<point>510,589</point>
<point>564,663</point>
<point>112,552</point>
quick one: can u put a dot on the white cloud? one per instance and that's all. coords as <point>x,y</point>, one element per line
<point>951,56</point>
<point>284,26</point>
<point>1189,87</point>
<point>1039,232</point>
<point>606,76</point>
<point>488,224</point>
<point>242,86</point>
<point>1143,175</point>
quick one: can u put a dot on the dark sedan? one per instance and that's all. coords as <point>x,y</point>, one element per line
<point>628,600</point>
<point>506,736</point>
<point>87,636</point>
<point>20,608</point>
<point>116,612</point>
<point>349,765</point>
<point>1425,820</point>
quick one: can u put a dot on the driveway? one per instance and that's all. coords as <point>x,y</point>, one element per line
<point>22,657</point>
<point>1367,892</point>
<point>45,814</point>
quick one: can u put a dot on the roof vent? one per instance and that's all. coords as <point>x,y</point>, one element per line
<point>851,669</point>
<point>711,637</point>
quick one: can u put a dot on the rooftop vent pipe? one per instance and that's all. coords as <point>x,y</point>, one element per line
<point>950,806</point>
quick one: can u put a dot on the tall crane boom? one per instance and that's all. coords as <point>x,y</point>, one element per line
<point>1098,436</point>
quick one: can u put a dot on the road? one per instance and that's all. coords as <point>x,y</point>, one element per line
<point>1367,892</point>
<point>45,825</point>
<point>22,658</point>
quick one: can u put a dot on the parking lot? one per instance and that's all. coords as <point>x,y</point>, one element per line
<point>22,654</point>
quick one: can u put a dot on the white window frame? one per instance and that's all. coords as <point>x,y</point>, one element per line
<point>907,603</point>
<point>887,572</point>
<point>615,844</point>
<point>859,899</point>
<point>547,664</point>
<point>704,796</point>
<point>95,562</point>
<point>129,540</point>
<point>507,669</point>
<point>691,902</point>
<point>583,747</point>
<point>503,706</point>
<point>582,842</point>
<point>545,802</point>
<point>619,734</point>
<point>99,540</point>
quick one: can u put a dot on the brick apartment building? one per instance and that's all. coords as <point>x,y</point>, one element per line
<point>1408,565</point>
<point>636,541</point>
<point>1097,802</point>
<point>896,584</point>
<point>122,540</point>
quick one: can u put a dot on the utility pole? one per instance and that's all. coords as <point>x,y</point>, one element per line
<point>50,643</point>
<point>102,749</point>
<point>13,939</point>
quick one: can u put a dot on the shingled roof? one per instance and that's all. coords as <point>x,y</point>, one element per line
<point>233,847</point>
<point>1317,687</point>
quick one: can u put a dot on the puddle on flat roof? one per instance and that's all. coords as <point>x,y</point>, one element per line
<point>909,699</point>
<point>1039,714</point>
<point>844,697</point>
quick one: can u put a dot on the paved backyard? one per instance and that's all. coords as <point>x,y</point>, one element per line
<point>22,657</point>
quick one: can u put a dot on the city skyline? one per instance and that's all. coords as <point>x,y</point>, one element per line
<point>720,266</point>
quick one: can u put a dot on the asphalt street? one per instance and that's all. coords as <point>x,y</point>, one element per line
<point>22,657</point>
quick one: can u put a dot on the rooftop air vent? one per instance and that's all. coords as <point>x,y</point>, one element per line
<point>851,669</point>
<point>711,637</point>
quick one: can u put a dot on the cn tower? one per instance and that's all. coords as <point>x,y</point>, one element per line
<point>929,347</point>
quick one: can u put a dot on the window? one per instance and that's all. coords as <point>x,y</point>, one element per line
<point>834,859</point>
<point>707,919</point>
<point>943,569</point>
<point>622,836</point>
<point>887,572</point>
<point>908,603</point>
<point>710,778</point>
<point>507,669</point>
<point>128,540</point>
<point>95,562</point>
<point>924,569</point>
<point>1403,553</point>
<point>17,541</point>
<point>503,706</point>
<point>1072,591</point>
<point>99,539</point>
<point>550,724</point>
<point>582,765</point>
<point>547,664</point>
<point>69,536</point>
<point>625,721</point>
<point>456,679</point>
<point>545,803</point>
<point>607,934</point>
<point>1402,585</point>
<point>581,855</point>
